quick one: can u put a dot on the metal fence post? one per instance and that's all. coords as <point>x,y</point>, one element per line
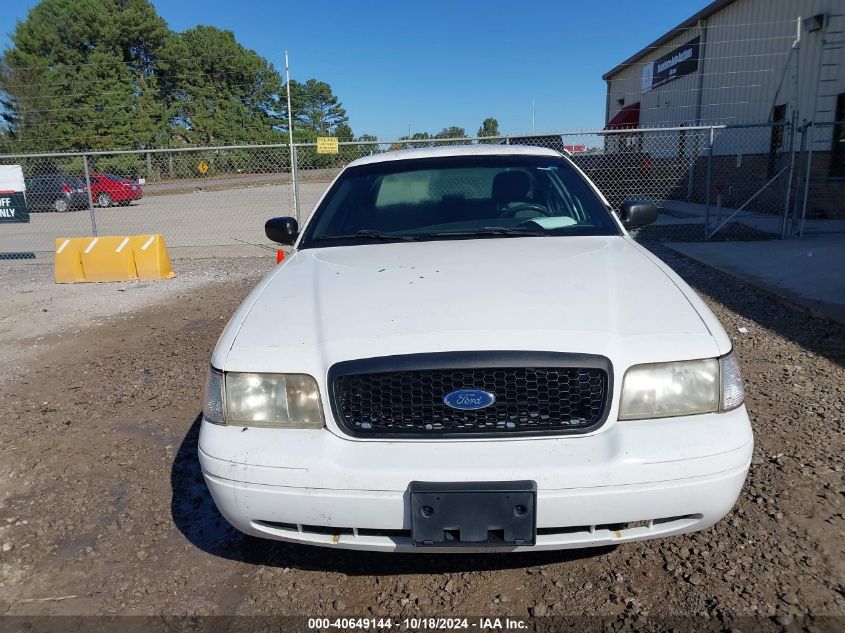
<point>784,220</point>
<point>707,185</point>
<point>294,171</point>
<point>90,198</point>
<point>806,185</point>
<point>798,184</point>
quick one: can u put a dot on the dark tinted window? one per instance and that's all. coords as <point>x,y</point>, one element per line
<point>458,198</point>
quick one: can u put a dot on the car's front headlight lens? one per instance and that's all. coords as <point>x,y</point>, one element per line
<point>661,390</point>
<point>272,400</point>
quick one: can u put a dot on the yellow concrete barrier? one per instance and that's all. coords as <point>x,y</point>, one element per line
<point>112,258</point>
<point>68,267</point>
<point>108,258</point>
<point>151,258</point>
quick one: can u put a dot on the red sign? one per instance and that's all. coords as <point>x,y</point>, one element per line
<point>575,148</point>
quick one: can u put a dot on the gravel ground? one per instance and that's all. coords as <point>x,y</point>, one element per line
<point>103,509</point>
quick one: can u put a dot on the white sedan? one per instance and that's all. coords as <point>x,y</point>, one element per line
<point>466,351</point>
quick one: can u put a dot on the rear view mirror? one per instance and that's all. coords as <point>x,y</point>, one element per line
<point>635,213</point>
<point>283,230</point>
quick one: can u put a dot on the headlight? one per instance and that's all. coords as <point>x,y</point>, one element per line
<point>273,400</point>
<point>662,390</point>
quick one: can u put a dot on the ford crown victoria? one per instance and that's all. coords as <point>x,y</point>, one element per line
<point>463,351</point>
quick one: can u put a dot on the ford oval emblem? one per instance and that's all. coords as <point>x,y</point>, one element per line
<point>469,399</point>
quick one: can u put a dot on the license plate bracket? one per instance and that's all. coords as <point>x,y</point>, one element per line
<point>474,514</point>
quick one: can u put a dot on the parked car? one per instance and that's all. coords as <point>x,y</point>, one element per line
<point>55,192</point>
<point>109,189</point>
<point>465,351</point>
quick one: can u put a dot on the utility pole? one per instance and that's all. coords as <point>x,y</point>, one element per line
<point>532,115</point>
<point>290,142</point>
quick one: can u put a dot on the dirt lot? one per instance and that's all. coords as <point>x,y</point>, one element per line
<point>103,509</point>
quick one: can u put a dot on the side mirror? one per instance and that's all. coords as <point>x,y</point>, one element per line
<point>283,230</point>
<point>635,214</point>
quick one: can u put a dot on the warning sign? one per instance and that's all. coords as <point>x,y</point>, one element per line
<point>327,145</point>
<point>202,167</point>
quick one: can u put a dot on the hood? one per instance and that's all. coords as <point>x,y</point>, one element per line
<point>568,293</point>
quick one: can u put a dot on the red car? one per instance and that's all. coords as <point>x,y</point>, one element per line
<point>109,189</point>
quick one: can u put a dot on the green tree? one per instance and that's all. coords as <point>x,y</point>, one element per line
<point>109,74</point>
<point>451,132</point>
<point>489,127</point>
<point>344,133</point>
<point>356,151</point>
<point>217,90</point>
<point>316,107</point>
<point>420,136</point>
<point>76,75</point>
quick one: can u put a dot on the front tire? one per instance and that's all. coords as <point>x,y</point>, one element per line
<point>103,199</point>
<point>60,205</point>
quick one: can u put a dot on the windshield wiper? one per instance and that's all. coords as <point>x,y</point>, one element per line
<point>368,235</point>
<point>490,231</point>
<point>487,231</point>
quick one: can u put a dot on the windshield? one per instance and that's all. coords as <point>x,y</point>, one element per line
<point>458,198</point>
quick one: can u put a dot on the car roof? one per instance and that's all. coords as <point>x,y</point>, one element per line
<point>456,150</point>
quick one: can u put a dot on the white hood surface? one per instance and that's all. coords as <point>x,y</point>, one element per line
<point>600,295</point>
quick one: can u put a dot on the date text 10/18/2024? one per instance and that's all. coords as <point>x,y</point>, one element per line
<point>417,624</point>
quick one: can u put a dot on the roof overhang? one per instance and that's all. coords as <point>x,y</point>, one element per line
<point>627,118</point>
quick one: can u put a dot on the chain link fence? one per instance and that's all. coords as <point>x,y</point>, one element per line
<point>710,182</point>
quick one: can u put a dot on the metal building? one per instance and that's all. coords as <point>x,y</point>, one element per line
<point>738,62</point>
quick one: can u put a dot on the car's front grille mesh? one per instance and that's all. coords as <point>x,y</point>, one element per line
<point>410,402</point>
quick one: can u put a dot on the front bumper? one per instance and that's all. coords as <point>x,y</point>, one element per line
<point>631,481</point>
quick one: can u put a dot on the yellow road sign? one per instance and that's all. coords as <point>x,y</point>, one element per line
<point>202,167</point>
<point>327,145</point>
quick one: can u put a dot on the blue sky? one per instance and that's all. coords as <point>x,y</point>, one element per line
<point>434,63</point>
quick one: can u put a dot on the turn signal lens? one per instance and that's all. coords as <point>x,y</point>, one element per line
<point>212,409</point>
<point>733,388</point>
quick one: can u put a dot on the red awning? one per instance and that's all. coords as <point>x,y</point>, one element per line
<point>627,117</point>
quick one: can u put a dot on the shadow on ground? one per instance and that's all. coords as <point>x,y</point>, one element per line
<point>196,516</point>
<point>817,334</point>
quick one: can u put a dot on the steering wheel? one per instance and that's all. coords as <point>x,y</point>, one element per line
<point>512,208</point>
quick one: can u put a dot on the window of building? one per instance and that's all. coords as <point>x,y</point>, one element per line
<point>837,146</point>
